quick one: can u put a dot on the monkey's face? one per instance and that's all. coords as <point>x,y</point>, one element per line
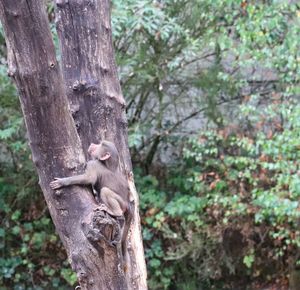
<point>98,151</point>
<point>92,149</point>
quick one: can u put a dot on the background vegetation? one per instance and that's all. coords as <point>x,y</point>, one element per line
<point>212,88</point>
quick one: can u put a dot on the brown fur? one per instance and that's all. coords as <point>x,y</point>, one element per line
<point>103,172</point>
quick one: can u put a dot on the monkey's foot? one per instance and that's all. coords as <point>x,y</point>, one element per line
<point>117,237</point>
<point>103,207</point>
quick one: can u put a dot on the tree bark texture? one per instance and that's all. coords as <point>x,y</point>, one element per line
<point>90,73</point>
<point>94,93</point>
<point>91,94</point>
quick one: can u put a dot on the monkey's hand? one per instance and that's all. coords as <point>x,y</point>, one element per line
<point>57,183</point>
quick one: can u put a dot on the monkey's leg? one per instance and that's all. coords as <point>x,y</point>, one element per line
<point>113,201</point>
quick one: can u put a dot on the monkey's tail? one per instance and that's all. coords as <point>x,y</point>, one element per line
<point>128,220</point>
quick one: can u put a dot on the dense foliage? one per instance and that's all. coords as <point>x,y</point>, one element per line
<point>211,88</point>
<point>231,214</point>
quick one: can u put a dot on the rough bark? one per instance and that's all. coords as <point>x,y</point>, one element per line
<point>90,72</point>
<point>97,103</point>
<point>57,149</point>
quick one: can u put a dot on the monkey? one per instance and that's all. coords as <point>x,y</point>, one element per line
<point>104,174</point>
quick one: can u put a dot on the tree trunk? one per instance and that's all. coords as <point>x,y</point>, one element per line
<point>90,72</point>
<point>97,105</point>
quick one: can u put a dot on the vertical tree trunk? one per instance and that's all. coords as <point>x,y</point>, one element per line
<point>97,106</point>
<point>90,73</point>
<point>97,103</point>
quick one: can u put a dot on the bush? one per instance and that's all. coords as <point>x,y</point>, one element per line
<point>230,211</point>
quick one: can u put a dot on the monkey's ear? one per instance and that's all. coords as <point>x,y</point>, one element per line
<point>105,156</point>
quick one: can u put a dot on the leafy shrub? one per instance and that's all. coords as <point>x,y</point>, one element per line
<point>231,209</point>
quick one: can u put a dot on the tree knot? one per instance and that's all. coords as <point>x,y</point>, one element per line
<point>101,226</point>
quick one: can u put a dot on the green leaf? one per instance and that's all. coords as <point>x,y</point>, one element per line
<point>249,260</point>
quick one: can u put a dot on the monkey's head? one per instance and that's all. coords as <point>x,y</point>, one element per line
<point>105,152</point>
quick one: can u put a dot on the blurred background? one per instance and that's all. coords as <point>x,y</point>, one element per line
<point>212,91</point>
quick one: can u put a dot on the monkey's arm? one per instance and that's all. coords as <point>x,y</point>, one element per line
<point>89,177</point>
